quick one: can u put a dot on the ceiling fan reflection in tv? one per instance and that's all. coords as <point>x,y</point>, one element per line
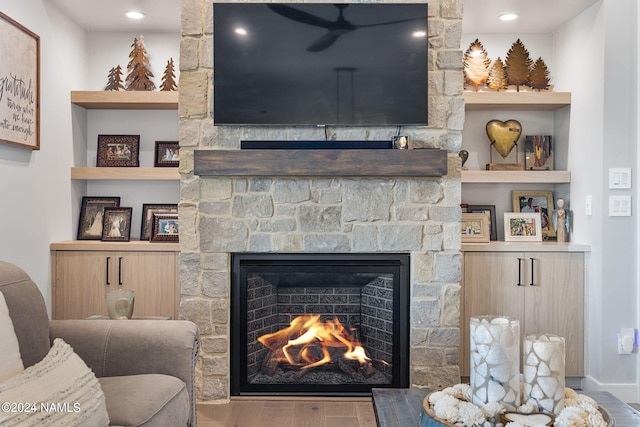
<point>335,29</point>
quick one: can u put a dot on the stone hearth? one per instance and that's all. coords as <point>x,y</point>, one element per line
<point>228,214</point>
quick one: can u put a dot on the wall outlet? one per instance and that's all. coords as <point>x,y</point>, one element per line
<point>588,205</point>
<point>626,340</point>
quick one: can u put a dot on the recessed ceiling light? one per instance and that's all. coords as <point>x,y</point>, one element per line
<point>508,16</point>
<point>133,14</point>
<point>240,31</point>
<point>419,34</point>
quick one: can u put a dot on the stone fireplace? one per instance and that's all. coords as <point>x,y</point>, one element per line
<point>338,213</point>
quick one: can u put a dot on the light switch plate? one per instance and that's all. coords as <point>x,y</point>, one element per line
<point>619,178</point>
<point>619,205</point>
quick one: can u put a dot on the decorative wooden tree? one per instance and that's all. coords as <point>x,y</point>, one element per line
<point>139,73</point>
<point>539,76</point>
<point>115,79</point>
<point>168,78</point>
<point>476,65</point>
<point>497,76</point>
<point>518,65</point>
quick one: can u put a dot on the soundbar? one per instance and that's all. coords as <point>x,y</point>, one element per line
<point>315,145</point>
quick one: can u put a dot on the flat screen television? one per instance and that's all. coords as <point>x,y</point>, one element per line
<point>320,64</point>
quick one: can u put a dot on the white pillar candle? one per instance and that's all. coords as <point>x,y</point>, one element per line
<point>495,361</point>
<point>543,371</point>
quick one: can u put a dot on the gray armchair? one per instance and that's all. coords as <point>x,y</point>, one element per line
<point>145,367</point>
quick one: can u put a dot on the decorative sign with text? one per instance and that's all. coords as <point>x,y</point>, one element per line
<point>19,85</point>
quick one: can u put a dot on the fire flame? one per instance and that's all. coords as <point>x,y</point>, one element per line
<point>298,343</point>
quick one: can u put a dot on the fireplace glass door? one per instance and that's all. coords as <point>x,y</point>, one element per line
<point>319,324</point>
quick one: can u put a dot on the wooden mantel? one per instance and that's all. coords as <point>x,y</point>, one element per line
<point>323,162</point>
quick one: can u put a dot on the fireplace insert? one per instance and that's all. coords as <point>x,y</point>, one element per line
<point>319,324</point>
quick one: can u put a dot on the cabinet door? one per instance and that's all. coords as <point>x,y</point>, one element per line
<point>82,278</point>
<point>554,303</point>
<point>154,277</point>
<point>490,288</point>
<point>80,281</point>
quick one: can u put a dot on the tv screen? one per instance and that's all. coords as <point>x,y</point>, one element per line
<point>320,64</point>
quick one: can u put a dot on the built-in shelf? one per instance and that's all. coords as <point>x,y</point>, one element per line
<point>516,100</point>
<point>125,173</point>
<point>515,177</point>
<point>98,245</point>
<point>126,100</point>
<point>502,246</point>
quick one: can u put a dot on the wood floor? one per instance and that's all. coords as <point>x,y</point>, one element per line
<point>287,413</point>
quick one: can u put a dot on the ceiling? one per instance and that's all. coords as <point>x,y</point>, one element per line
<point>536,16</point>
<point>480,16</point>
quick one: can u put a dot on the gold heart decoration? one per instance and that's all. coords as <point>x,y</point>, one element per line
<point>504,135</point>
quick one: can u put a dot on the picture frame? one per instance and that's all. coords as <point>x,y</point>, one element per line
<point>522,227</point>
<point>474,228</point>
<point>538,153</point>
<point>116,226</point>
<point>148,210</point>
<point>166,228</point>
<point>493,223</point>
<point>540,201</point>
<point>92,216</point>
<point>20,53</point>
<point>118,151</point>
<point>167,154</point>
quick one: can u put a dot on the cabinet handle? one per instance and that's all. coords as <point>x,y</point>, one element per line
<point>108,271</point>
<point>520,271</point>
<point>120,270</point>
<point>532,281</point>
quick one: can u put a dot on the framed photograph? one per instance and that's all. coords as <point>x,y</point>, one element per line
<point>538,153</point>
<point>92,215</point>
<point>491,210</point>
<point>474,227</point>
<point>20,83</point>
<point>522,227</point>
<point>116,225</point>
<point>118,150</point>
<point>165,228</point>
<point>536,201</point>
<point>167,154</point>
<point>148,210</point>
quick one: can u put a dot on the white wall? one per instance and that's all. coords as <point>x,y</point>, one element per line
<point>36,192</point>
<point>602,59</point>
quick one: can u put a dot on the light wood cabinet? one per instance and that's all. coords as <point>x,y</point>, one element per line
<point>82,273</point>
<point>544,290</point>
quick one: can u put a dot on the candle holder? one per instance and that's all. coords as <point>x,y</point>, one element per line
<point>495,361</point>
<point>544,367</point>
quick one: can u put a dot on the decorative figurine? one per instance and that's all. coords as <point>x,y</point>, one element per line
<point>561,222</point>
<point>464,156</point>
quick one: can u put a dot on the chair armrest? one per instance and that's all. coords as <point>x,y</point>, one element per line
<point>130,347</point>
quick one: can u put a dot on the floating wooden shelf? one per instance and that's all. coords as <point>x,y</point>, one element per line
<point>126,100</point>
<point>424,162</point>
<point>516,100</point>
<point>502,246</point>
<point>515,177</point>
<point>140,174</point>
